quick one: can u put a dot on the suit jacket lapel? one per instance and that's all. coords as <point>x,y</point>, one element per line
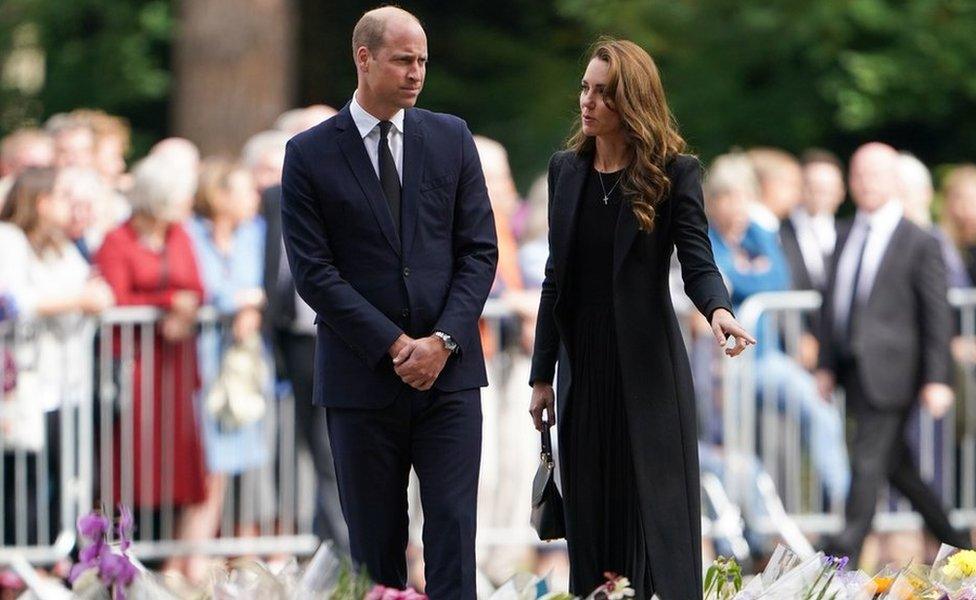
<point>567,196</point>
<point>354,150</point>
<point>888,259</point>
<point>413,168</point>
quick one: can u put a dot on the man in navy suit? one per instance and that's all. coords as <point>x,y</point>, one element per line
<point>391,240</point>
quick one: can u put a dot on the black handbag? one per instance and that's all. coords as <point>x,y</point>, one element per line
<point>547,504</point>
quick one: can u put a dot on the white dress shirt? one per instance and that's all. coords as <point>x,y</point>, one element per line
<point>816,236</point>
<point>883,223</point>
<point>369,129</point>
<point>762,216</point>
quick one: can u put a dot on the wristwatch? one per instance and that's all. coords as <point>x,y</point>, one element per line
<point>449,342</point>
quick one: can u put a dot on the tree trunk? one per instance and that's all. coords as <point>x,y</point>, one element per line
<point>233,70</point>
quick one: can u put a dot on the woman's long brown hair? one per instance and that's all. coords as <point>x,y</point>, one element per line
<point>20,208</point>
<point>635,92</point>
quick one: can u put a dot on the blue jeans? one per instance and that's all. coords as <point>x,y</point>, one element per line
<point>820,421</point>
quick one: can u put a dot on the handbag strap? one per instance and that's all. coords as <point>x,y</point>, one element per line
<point>546,444</point>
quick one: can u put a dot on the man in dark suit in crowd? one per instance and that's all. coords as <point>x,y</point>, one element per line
<point>809,233</point>
<point>391,241</point>
<point>886,328</point>
<point>289,323</point>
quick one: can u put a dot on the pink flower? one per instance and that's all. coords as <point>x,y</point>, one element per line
<point>384,593</point>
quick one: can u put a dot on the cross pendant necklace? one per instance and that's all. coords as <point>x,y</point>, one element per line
<point>606,194</point>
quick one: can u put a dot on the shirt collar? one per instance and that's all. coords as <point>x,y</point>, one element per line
<point>366,122</point>
<point>764,217</point>
<point>886,217</point>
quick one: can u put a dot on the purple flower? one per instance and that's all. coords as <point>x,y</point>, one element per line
<point>116,569</point>
<point>89,554</point>
<point>77,570</point>
<point>93,526</point>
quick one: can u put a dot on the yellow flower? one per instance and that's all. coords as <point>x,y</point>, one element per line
<point>961,564</point>
<point>883,584</point>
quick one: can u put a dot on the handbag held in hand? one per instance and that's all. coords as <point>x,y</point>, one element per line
<point>547,504</point>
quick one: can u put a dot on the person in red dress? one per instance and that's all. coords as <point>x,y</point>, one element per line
<point>149,261</point>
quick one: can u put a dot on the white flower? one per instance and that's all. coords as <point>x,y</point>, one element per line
<point>620,589</point>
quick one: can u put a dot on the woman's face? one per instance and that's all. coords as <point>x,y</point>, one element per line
<point>598,119</point>
<point>239,200</point>
<point>54,209</point>
<point>729,214</point>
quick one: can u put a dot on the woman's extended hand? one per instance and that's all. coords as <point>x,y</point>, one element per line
<point>724,325</point>
<point>543,400</point>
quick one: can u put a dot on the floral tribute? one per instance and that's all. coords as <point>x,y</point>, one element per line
<point>102,561</point>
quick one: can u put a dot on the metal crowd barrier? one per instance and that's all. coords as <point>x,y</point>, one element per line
<point>93,466</point>
<point>43,387</point>
<point>266,509</point>
<point>767,423</point>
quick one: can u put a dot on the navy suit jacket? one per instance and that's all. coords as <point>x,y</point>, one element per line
<point>369,282</point>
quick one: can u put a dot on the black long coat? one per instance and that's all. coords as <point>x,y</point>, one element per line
<point>659,398</point>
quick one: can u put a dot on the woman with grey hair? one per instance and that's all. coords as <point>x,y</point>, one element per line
<point>149,261</point>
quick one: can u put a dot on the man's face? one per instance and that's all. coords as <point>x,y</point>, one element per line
<point>781,190</point>
<point>823,188</point>
<point>267,172</point>
<point>110,158</point>
<point>36,153</point>
<point>395,73</point>
<point>74,148</point>
<point>874,177</point>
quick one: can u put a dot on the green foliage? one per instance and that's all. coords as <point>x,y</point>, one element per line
<point>798,74</point>
<point>352,585</point>
<point>108,54</point>
<point>723,579</point>
<point>790,73</point>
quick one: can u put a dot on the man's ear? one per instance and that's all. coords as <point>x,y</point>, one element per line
<point>362,59</point>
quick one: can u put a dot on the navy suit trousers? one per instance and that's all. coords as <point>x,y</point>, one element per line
<point>437,433</point>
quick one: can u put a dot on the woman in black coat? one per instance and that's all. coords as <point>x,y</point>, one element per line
<point>621,198</point>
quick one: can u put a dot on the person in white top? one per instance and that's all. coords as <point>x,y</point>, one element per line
<point>40,268</point>
<point>52,288</point>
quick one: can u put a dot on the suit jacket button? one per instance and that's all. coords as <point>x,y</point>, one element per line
<point>405,313</point>
<point>406,271</point>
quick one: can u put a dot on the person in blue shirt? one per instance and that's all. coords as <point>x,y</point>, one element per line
<point>228,239</point>
<point>752,261</point>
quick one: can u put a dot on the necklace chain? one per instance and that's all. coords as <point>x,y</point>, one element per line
<point>606,194</point>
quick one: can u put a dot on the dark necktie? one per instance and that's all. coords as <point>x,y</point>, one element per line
<point>855,284</point>
<point>389,178</point>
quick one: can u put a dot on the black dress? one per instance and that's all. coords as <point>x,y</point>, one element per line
<point>601,498</point>
<point>654,378</point>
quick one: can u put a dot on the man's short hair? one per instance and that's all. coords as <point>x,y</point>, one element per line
<point>770,163</point>
<point>370,28</point>
<point>104,125</point>
<point>260,144</point>
<point>819,155</point>
<point>21,138</point>
<point>60,123</point>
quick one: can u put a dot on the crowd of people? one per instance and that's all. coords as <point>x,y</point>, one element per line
<point>81,232</point>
